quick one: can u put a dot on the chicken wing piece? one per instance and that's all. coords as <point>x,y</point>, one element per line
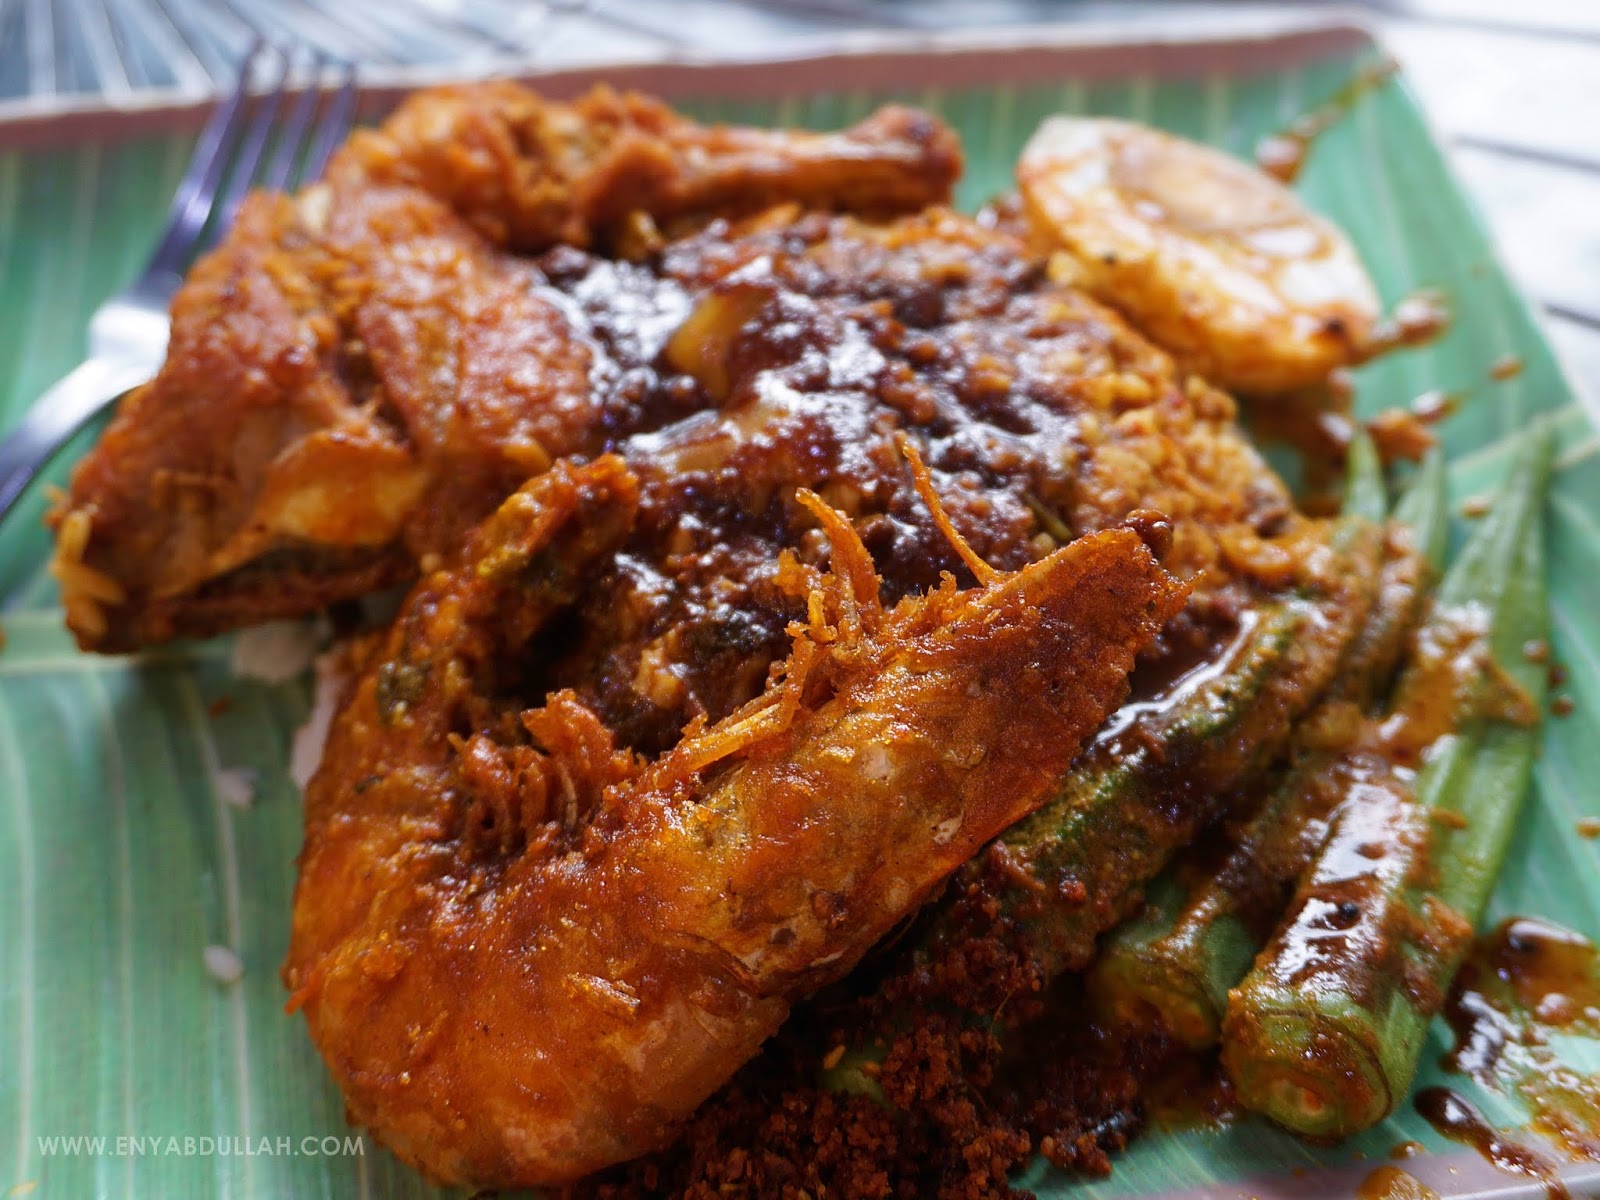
<point>348,385</point>
<point>361,372</point>
<point>525,955</point>
<point>529,174</point>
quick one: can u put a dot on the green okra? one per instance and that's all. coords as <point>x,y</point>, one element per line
<point>1173,965</point>
<point>1077,865</point>
<point>1159,773</point>
<point>1324,1034</point>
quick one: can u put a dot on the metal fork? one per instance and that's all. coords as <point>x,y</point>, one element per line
<point>128,333</point>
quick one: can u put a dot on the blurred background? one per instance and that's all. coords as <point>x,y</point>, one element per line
<point>1514,88</point>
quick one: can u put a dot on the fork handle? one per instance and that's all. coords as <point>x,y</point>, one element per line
<point>67,407</point>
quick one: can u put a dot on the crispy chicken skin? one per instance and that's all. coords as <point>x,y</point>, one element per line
<point>527,955</point>
<point>359,373</point>
<point>529,174</point>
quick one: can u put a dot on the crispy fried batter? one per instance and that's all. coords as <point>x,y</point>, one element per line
<point>526,955</point>
<point>360,373</point>
<point>529,174</point>
<point>960,1123</point>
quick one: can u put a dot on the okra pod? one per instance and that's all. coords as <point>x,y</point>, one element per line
<point>1324,1034</point>
<point>1173,965</point>
<point>1160,773</point>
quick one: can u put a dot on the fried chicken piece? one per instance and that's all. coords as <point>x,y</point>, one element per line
<point>528,173</point>
<point>526,955</point>
<point>360,373</point>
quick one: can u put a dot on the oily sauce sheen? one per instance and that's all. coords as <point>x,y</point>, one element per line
<point>1282,155</point>
<point>1527,982</point>
<point>1457,1119</point>
<point>793,352</point>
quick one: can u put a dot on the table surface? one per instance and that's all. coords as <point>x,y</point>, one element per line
<point>1513,89</point>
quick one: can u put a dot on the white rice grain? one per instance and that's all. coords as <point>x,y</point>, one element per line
<point>223,964</point>
<point>278,651</point>
<point>305,751</point>
<point>236,786</point>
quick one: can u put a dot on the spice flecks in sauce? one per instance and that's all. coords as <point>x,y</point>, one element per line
<point>1459,1120</point>
<point>1420,318</point>
<point>1283,154</point>
<point>1507,366</point>
<point>1526,981</point>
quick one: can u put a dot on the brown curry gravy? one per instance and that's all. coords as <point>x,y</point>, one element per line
<point>1525,981</point>
<point>1458,1119</point>
<point>1282,155</point>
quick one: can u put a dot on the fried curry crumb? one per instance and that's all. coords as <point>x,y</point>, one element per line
<point>956,1116</point>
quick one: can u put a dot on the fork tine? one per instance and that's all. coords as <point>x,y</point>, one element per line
<point>291,141</point>
<point>262,122</point>
<point>335,123</point>
<point>197,191</point>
